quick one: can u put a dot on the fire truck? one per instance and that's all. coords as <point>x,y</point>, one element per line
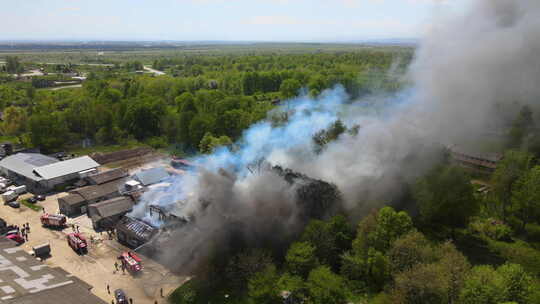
<point>53,220</point>
<point>77,242</point>
<point>131,261</point>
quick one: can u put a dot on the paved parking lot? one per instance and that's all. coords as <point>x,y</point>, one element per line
<point>97,267</point>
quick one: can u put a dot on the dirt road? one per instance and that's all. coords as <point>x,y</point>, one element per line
<point>154,71</point>
<point>97,267</point>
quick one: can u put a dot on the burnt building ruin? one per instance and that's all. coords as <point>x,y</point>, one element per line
<point>134,233</point>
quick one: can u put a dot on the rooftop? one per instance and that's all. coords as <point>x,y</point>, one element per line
<point>151,176</point>
<point>112,207</point>
<point>66,167</point>
<point>72,199</point>
<point>25,163</point>
<point>139,228</point>
<point>107,176</point>
<point>97,191</point>
<point>25,280</point>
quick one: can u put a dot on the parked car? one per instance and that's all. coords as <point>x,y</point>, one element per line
<point>13,204</point>
<point>16,237</point>
<point>32,200</point>
<point>120,296</point>
<point>39,197</point>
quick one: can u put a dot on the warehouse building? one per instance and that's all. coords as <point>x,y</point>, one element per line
<point>77,201</point>
<point>107,176</point>
<point>106,214</point>
<point>25,280</point>
<point>41,173</point>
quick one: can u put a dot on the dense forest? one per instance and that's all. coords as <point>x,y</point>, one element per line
<point>202,96</point>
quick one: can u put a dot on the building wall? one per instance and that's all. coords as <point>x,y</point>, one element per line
<point>72,210</point>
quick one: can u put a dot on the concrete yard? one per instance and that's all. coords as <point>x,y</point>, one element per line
<point>97,267</point>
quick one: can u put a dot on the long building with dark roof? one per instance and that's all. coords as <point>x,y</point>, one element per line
<point>76,203</point>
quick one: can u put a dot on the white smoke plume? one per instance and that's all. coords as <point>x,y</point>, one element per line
<point>468,77</point>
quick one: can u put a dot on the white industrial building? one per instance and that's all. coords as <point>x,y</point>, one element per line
<point>41,173</point>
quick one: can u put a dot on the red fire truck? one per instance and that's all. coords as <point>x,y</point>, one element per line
<point>131,261</point>
<point>53,220</point>
<point>77,242</point>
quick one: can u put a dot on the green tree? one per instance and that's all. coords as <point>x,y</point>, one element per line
<point>293,284</point>
<point>209,143</point>
<point>13,65</point>
<point>262,287</point>
<point>48,131</point>
<point>14,121</point>
<point>423,283</point>
<point>509,170</point>
<point>330,238</point>
<point>446,196</point>
<point>409,250</point>
<point>483,286</point>
<point>301,258</point>
<point>242,267</point>
<point>454,267</point>
<point>325,287</point>
<point>322,138</point>
<point>143,117</point>
<point>289,88</point>
<point>200,125</point>
<point>517,283</point>
<point>526,196</point>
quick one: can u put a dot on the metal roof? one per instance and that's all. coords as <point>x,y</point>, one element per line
<point>72,199</point>
<point>66,167</point>
<point>151,176</point>
<point>115,206</point>
<point>137,227</point>
<point>97,191</point>
<point>107,176</point>
<point>25,163</point>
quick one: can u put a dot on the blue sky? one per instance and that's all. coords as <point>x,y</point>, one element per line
<point>264,20</point>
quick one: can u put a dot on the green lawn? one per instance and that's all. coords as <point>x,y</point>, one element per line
<point>34,207</point>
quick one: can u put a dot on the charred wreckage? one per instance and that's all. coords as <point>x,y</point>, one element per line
<point>315,199</point>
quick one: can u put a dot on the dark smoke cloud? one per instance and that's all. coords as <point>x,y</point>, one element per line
<point>468,76</point>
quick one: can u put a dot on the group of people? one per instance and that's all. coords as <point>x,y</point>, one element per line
<point>24,231</point>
